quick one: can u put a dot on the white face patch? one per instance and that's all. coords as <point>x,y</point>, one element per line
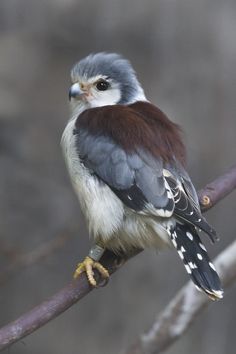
<point>110,96</point>
<point>93,97</point>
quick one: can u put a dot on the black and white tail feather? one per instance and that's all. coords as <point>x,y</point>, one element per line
<point>196,260</point>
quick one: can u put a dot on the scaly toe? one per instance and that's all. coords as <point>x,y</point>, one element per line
<point>80,269</point>
<point>102,270</point>
<point>87,266</point>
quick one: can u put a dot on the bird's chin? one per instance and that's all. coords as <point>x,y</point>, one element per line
<point>78,106</point>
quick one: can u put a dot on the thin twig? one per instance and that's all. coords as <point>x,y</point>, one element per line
<point>77,289</point>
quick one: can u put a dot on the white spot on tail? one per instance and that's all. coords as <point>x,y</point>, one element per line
<point>174,234</point>
<point>182,249</point>
<point>199,256</point>
<point>180,254</point>
<point>217,294</point>
<point>192,265</point>
<point>174,243</point>
<point>202,247</point>
<point>190,236</point>
<point>188,269</point>
<point>212,266</point>
<point>197,287</point>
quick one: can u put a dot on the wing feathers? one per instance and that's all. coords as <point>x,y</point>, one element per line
<point>186,210</point>
<point>136,178</point>
<point>130,160</point>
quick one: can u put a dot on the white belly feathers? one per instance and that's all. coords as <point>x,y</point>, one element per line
<point>108,219</point>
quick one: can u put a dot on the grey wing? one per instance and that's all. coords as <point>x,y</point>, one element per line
<point>136,178</point>
<point>141,181</point>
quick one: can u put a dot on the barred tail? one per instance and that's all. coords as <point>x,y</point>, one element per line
<point>196,260</point>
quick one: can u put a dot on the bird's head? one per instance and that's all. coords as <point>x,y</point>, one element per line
<point>103,79</point>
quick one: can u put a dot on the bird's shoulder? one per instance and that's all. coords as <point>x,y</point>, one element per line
<point>138,125</point>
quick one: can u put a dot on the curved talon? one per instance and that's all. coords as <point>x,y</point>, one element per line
<point>87,266</point>
<point>103,283</point>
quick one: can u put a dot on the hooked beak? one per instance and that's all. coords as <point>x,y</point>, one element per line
<point>75,91</point>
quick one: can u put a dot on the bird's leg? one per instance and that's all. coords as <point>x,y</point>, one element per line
<point>92,262</point>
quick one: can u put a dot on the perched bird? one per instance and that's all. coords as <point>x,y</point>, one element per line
<point>126,162</point>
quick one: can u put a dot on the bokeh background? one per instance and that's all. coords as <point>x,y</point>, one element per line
<point>185,54</point>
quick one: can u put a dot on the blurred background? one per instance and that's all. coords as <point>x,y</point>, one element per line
<point>185,54</point>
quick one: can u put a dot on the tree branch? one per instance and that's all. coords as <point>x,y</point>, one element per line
<point>218,189</point>
<point>183,309</point>
<point>77,289</point>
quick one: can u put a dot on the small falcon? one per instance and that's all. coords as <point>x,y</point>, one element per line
<point>126,161</point>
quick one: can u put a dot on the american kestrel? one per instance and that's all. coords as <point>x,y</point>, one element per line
<point>126,161</point>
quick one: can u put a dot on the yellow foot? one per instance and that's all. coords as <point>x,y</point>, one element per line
<point>87,266</point>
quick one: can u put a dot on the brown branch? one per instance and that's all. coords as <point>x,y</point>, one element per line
<point>57,304</point>
<point>183,309</point>
<point>218,189</point>
<point>76,290</point>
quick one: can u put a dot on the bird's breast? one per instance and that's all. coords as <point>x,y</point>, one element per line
<point>102,209</point>
<point>109,221</point>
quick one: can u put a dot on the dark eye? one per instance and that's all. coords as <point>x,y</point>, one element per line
<point>102,85</point>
